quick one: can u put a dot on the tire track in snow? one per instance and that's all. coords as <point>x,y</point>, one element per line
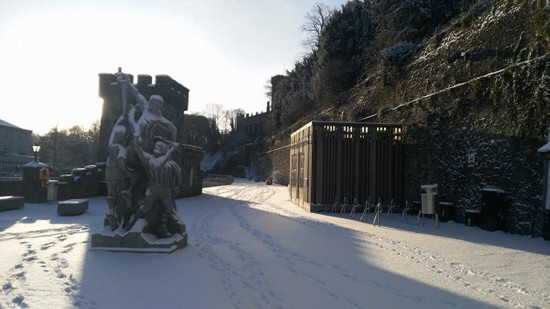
<point>504,291</point>
<point>294,261</point>
<point>241,272</point>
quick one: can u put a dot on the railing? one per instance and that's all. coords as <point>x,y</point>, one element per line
<point>10,186</point>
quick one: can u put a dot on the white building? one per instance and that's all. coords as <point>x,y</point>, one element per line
<point>15,148</point>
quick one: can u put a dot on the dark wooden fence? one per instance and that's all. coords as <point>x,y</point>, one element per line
<point>10,186</point>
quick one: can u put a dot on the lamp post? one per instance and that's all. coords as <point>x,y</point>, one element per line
<point>34,176</point>
<point>35,149</point>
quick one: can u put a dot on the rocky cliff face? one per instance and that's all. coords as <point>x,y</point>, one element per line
<point>478,89</point>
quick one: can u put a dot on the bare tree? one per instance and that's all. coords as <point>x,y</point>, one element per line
<point>233,117</point>
<point>269,88</point>
<point>215,112</point>
<point>316,21</point>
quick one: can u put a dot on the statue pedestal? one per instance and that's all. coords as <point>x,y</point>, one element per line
<point>135,240</point>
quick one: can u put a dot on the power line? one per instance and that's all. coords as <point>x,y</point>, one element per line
<point>458,85</point>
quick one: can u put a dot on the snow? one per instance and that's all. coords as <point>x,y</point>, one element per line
<point>250,247</point>
<point>545,148</point>
<point>35,164</point>
<point>209,161</point>
<point>493,189</point>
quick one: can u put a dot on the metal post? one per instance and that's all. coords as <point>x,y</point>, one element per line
<point>35,149</point>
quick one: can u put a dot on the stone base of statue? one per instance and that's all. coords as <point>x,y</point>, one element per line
<point>135,240</point>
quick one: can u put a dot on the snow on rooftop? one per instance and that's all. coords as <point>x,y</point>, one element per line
<point>4,123</point>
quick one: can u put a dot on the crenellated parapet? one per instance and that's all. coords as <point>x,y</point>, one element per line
<point>254,125</point>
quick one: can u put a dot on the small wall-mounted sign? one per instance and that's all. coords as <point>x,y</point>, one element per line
<point>471,159</point>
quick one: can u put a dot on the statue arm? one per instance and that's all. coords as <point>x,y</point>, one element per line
<point>120,120</point>
<point>173,130</point>
<point>132,120</point>
<point>143,156</point>
<point>122,160</point>
<point>171,147</point>
<point>121,163</point>
<point>142,102</point>
<point>112,137</point>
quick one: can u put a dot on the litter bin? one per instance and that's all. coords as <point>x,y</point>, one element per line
<point>446,211</point>
<point>52,190</point>
<point>471,217</point>
<point>493,209</point>
<point>428,197</point>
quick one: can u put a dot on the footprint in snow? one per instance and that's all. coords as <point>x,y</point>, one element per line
<point>47,245</point>
<point>7,287</point>
<point>20,300</point>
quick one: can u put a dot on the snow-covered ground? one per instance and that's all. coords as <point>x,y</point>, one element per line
<point>250,247</point>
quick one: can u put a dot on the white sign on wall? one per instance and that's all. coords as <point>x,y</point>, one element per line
<point>471,159</point>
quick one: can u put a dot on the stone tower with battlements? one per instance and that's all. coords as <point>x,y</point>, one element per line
<point>176,102</point>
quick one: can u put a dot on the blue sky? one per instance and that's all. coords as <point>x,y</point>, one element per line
<point>51,52</point>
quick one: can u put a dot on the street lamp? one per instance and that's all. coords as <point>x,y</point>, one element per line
<point>35,149</point>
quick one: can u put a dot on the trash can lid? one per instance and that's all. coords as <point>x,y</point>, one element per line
<point>429,188</point>
<point>434,186</point>
<point>34,164</point>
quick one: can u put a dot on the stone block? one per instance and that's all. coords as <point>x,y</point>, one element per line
<point>72,207</point>
<point>135,240</point>
<point>11,202</point>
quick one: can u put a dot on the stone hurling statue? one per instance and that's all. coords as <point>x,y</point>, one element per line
<point>141,176</point>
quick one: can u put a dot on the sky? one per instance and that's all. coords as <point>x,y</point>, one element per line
<point>250,247</point>
<point>225,52</point>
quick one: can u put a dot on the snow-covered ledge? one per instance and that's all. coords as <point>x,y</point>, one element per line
<point>544,151</point>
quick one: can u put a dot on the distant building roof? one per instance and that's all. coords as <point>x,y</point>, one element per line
<point>7,124</point>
